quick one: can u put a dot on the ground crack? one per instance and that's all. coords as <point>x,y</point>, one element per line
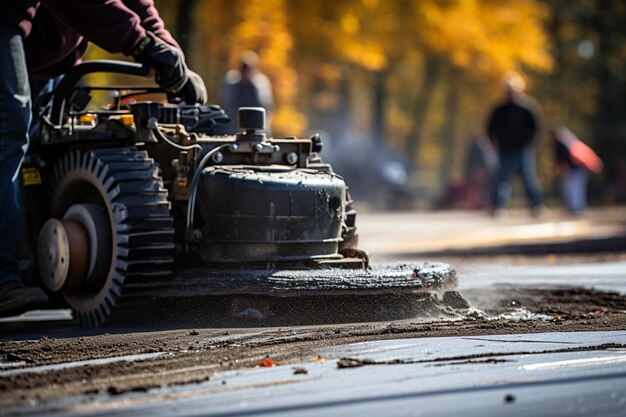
<point>355,363</point>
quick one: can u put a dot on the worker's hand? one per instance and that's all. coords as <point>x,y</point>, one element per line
<point>194,90</point>
<point>171,70</point>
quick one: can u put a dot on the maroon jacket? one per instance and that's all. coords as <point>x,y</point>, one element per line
<point>56,31</point>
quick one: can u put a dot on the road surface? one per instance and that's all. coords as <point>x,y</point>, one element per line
<point>542,335</point>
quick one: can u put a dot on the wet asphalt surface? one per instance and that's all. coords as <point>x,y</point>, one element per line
<point>532,354</point>
<point>550,374</point>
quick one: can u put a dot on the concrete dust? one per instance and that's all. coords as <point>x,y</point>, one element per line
<point>521,314</point>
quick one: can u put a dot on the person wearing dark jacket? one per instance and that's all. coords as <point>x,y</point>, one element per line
<point>513,128</point>
<point>40,41</point>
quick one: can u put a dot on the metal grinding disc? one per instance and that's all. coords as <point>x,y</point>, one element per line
<point>280,297</point>
<point>382,279</point>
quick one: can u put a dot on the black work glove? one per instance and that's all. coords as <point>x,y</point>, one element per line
<point>194,90</point>
<point>171,70</point>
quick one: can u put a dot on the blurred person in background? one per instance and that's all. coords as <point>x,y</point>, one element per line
<point>247,87</point>
<point>480,164</point>
<point>473,191</point>
<point>574,160</point>
<point>513,128</point>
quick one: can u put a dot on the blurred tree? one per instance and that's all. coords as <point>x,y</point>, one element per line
<point>437,39</point>
<point>482,39</point>
<point>608,26</point>
<point>587,89</point>
<point>228,28</point>
<point>184,26</point>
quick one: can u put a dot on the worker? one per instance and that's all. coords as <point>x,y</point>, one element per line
<point>247,87</point>
<point>513,128</point>
<point>39,41</point>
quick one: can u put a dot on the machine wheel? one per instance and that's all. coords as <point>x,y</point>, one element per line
<point>118,197</point>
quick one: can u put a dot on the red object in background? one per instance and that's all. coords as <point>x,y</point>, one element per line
<point>583,155</point>
<point>579,151</point>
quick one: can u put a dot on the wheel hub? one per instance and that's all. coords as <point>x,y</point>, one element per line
<point>74,253</point>
<point>62,253</point>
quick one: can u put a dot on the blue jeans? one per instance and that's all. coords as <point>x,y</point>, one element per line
<point>574,189</point>
<point>521,162</point>
<point>15,117</point>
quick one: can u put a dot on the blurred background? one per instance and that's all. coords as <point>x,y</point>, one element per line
<point>400,89</point>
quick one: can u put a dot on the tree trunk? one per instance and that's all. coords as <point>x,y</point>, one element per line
<point>609,122</point>
<point>422,104</point>
<point>378,106</point>
<point>184,26</point>
<point>448,143</point>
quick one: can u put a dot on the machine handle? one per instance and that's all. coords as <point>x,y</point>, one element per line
<point>73,76</point>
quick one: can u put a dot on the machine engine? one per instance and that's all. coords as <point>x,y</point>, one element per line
<point>116,196</point>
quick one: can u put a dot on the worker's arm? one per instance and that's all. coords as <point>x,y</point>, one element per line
<point>132,27</point>
<point>109,24</point>
<point>150,20</point>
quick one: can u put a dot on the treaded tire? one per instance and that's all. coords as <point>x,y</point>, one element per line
<point>126,182</point>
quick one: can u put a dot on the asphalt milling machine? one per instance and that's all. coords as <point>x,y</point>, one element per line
<point>145,209</point>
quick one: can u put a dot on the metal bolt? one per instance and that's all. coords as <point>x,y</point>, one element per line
<point>233,147</point>
<point>218,157</point>
<point>291,158</point>
<point>276,148</point>
<point>258,147</point>
<point>196,235</point>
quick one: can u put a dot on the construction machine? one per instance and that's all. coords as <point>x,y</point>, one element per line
<point>144,199</point>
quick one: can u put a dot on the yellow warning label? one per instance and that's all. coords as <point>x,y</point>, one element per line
<point>31,176</point>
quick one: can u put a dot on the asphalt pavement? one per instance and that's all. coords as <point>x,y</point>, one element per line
<point>547,374</point>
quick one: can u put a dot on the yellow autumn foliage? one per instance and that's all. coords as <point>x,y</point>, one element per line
<point>313,50</point>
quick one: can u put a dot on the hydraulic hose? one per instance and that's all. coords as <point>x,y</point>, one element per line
<point>153,124</point>
<point>193,189</point>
